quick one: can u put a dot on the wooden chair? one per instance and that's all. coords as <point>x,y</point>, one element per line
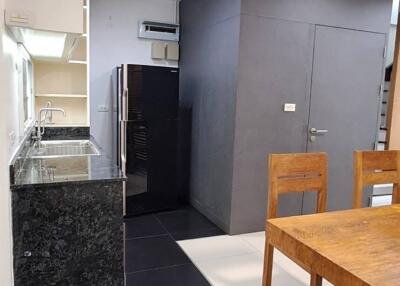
<point>294,173</point>
<point>375,167</point>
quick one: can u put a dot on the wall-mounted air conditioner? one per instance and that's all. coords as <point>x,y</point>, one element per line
<point>158,31</point>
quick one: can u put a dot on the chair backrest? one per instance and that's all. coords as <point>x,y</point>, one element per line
<point>301,172</point>
<point>375,167</point>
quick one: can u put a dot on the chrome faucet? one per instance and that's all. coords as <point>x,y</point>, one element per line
<point>39,130</point>
<point>48,116</point>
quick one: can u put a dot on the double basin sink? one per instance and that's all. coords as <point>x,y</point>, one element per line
<point>63,148</point>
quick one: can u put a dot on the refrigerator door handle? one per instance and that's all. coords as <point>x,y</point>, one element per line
<point>123,146</point>
<point>125,92</point>
<point>125,105</point>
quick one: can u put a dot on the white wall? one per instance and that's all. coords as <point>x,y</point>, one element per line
<point>395,12</point>
<point>113,41</point>
<point>392,33</point>
<point>9,119</point>
<point>391,45</point>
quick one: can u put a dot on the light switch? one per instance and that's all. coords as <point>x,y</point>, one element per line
<point>173,51</point>
<point>158,50</point>
<point>289,107</point>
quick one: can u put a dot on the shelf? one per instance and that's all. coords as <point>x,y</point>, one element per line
<point>61,95</point>
<point>67,125</point>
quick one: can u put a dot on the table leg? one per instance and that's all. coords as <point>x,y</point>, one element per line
<point>316,280</point>
<point>268,261</point>
<point>396,194</point>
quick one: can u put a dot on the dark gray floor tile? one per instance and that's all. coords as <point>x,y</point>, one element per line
<point>197,233</point>
<point>153,252</point>
<point>186,220</point>
<point>182,275</point>
<point>143,226</point>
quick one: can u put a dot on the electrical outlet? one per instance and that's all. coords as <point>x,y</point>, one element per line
<point>102,108</point>
<point>289,107</point>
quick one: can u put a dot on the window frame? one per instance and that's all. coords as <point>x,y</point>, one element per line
<point>26,90</point>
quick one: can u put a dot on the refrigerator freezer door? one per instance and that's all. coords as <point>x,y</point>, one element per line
<point>152,92</point>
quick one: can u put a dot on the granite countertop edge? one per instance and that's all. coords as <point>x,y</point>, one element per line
<point>17,187</point>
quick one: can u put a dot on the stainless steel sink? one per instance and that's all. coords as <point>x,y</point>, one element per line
<point>65,148</point>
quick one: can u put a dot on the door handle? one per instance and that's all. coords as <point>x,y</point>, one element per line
<point>316,131</point>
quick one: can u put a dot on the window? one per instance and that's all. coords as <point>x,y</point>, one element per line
<point>26,85</point>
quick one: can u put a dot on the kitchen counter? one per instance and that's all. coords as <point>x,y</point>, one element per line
<point>67,213</point>
<point>64,170</point>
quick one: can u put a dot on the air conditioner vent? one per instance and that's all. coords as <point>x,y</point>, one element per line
<point>158,31</point>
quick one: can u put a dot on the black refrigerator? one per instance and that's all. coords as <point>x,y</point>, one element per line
<point>146,119</point>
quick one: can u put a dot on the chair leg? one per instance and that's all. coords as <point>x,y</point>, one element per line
<point>316,280</point>
<point>268,261</point>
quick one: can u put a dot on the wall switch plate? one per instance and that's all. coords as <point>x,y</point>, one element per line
<point>289,107</point>
<point>102,108</point>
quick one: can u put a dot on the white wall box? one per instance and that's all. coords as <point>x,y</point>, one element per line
<point>173,51</point>
<point>158,50</point>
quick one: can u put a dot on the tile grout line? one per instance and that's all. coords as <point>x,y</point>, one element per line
<point>253,251</point>
<point>192,262</point>
<point>204,273</point>
<point>163,226</point>
<point>144,237</point>
<point>164,235</point>
<point>222,257</point>
<point>251,245</point>
<point>158,268</point>
<point>178,245</point>
<point>201,229</point>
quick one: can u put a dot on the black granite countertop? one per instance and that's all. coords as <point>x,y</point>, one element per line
<point>64,170</point>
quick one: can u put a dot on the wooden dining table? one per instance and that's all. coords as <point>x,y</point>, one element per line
<point>353,247</point>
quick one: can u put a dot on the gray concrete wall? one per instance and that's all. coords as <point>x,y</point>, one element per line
<point>275,63</point>
<point>365,15</point>
<point>237,94</point>
<point>209,45</point>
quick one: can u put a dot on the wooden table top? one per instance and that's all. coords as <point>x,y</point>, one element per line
<point>354,247</point>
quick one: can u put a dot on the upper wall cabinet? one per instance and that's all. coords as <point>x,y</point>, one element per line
<point>49,30</point>
<point>46,15</point>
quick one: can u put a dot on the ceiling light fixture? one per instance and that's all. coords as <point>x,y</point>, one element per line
<point>77,62</point>
<point>44,44</point>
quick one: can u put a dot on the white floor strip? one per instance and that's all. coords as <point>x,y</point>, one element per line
<point>238,261</point>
